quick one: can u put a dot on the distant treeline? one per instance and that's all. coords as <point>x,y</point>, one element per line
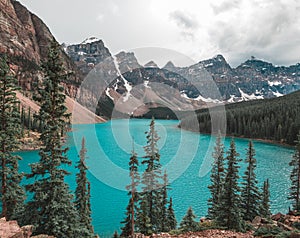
<point>276,119</point>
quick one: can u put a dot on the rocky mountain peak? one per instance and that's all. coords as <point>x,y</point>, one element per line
<point>127,61</point>
<point>217,62</point>
<point>87,54</point>
<point>169,66</point>
<point>151,64</point>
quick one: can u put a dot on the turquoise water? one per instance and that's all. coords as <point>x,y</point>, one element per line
<point>183,153</point>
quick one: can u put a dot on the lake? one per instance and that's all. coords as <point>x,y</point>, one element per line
<point>186,156</point>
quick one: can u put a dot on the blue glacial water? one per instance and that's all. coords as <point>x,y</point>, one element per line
<point>185,155</point>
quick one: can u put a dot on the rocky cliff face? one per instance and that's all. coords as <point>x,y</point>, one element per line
<point>25,39</point>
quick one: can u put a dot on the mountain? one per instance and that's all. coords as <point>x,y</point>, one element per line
<point>25,40</point>
<point>203,84</point>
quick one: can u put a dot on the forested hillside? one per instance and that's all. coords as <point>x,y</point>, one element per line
<point>276,119</point>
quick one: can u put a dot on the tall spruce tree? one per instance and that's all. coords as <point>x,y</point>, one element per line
<point>217,177</point>
<point>51,209</point>
<point>149,217</point>
<point>265,204</point>
<point>250,194</point>
<point>294,195</point>
<point>164,203</point>
<point>229,211</point>
<point>129,222</point>
<point>171,222</point>
<point>12,193</point>
<point>83,194</point>
<point>188,222</point>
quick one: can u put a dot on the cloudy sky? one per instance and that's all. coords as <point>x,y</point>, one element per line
<point>238,29</point>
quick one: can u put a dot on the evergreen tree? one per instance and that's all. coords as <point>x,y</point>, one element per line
<point>116,235</point>
<point>51,209</point>
<point>188,222</point>
<point>171,222</point>
<point>265,206</point>
<point>83,194</point>
<point>216,177</point>
<point>12,194</point>
<point>143,222</point>
<point>150,201</point>
<point>129,222</point>
<point>250,194</point>
<point>164,203</point>
<point>295,177</point>
<point>229,213</point>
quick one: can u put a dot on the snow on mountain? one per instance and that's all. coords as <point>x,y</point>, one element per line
<point>277,94</point>
<point>247,97</point>
<point>90,40</point>
<point>126,83</point>
<point>275,83</point>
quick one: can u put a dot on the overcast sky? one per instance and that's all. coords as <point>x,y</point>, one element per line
<point>238,29</point>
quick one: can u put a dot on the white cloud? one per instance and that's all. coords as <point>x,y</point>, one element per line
<point>200,29</point>
<point>100,17</point>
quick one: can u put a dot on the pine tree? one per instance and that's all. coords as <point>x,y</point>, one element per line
<point>51,209</point>
<point>216,177</point>
<point>12,194</point>
<point>295,177</point>
<point>171,222</point>
<point>250,194</point>
<point>164,203</point>
<point>150,201</point>
<point>229,213</point>
<point>116,235</point>
<point>188,222</point>
<point>143,222</point>
<point>83,194</point>
<point>129,221</point>
<point>265,205</point>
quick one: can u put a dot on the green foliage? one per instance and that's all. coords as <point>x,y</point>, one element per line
<point>129,221</point>
<point>30,120</point>
<point>294,195</point>
<point>250,194</point>
<point>265,205</point>
<point>217,177</point>
<point>208,225</point>
<point>275,119</point>
<point>12,194</point>
<point>229,211</point>
<point>170,222</point>
<point>188,222</point>
<point>83,194</point>
<point>267,231</point>
<point>51,209</point>
<point>150,200</point>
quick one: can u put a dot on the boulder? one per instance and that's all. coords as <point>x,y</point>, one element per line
<point>277,216</point>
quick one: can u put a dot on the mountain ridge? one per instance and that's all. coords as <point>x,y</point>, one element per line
<point>194,84</point>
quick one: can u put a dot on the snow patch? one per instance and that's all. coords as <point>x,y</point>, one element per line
<point>207,100</point>
<point>277,94</point>
<point>126,83</point>
<point>209,65</point>
<point>90,40</point>
<point>247,97</point>
<point>275,83</point>
<point>146,83</point>
<point>231,99</point>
